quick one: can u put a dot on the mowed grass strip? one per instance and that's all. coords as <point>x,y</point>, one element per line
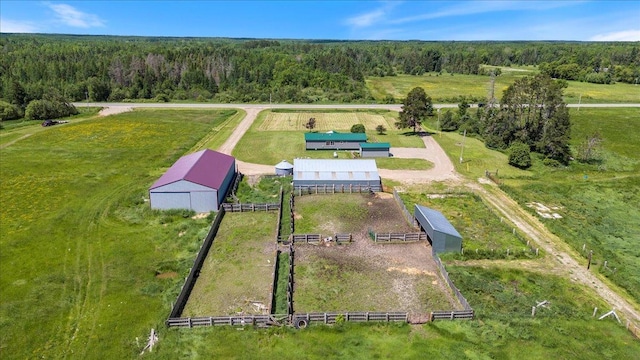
<point>237,274</point>
<point>276,145</point>
<point>81,251</point>
<point>338,121</point>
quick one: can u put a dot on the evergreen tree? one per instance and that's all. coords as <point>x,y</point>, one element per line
<point>416,106</point>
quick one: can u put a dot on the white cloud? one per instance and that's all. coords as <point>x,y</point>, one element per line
<point>71,16</point>
<point>371,17</point>
<point>625,35</point>
<point>12,26</point>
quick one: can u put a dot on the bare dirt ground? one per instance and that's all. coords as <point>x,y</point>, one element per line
<point>112,110</point>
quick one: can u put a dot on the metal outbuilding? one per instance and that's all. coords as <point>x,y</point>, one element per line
<point>198,182</point>
<point>334,141</point>
<point>374,149</point>
<point>284,168</point>
<point>338,172</point>
<point>442,235</point>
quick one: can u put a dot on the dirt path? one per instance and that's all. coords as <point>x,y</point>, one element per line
<point>557,249</point>
<point>112,110</point>
<point>239,132</point>
<point>442,169</point>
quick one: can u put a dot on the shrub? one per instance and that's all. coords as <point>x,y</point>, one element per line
<point>357,128</point>
<point>551,162</point>
<point>9,111</point>
<point>46,109</point>
<point>519,155</point>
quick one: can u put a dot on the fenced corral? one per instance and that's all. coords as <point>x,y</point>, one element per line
<point>332,318</point>
<point>190,281</point>
<point>236,182</point>
<point>305,238</point>
<point>250,207</point>
<point>452,315</point>
<point>398,237</point>
<point>410,218</point>
<point>445,275</point>
<point>335,189</point>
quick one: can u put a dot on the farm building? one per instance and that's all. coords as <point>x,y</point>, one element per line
<point>442,235</point>
<point>336,172</point>
<point>284,168</point>
<point>334,141</point>
<point>374,149</point>
<point>198,182</point>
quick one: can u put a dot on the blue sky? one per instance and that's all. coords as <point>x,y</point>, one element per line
<point>342,20</point>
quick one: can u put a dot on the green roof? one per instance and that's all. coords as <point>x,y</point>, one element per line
<point>334,136</point>
<point>378,145</point>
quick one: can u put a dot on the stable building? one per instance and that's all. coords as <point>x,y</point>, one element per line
<point>334,141</point>
<point>338,173</point>
<point>378,149</point>
<point>442,235</point>
<point>198,182</point>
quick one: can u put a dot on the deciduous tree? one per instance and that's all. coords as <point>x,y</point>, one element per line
<point>416,106</point>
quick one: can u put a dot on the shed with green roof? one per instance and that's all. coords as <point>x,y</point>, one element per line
<point>377,149</point>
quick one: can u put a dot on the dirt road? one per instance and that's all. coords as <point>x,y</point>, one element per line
<point>442,169</point>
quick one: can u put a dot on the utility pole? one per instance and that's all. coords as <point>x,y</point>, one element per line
<point>439,130</point>
<point>462,149</point>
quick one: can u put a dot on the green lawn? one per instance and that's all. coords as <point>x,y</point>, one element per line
<point>80,248</point>
<point>276,145</point>
<point>448,88</point>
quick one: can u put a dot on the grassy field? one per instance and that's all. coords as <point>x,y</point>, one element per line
<point>80,250</point>
<point>598,199</point>
<point>447,87</point>
<point>237,274</point>
<point>479,226</point>
<point>505,329</point>
<point>278,143</point>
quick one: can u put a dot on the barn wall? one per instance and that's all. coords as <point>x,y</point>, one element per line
<point>181,186</point>
<point>204,201</point>
<point>338,145</point>
<point>224,188</point>
<point>346,183</point>
<point>374,153</point>
<point>170,200</point>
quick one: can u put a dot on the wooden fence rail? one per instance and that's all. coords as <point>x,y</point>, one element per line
<point>242,320</point>
<point>305,238</point>
<point>335,189</point>
<point>445,275</point>
<point>452,315</point>
<point>250,207</point>
<point>332,318</point>
<point>407,215</point>
<point>404,237</point>
<point>340,238</point>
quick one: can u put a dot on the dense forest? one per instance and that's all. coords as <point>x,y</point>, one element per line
<point>108,68</point>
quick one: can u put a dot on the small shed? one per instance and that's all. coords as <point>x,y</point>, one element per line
<point>284,168</point>
<point>377,149</point>
<point>334,141</point>
<point>198,182</point>
<point>341,173</point>
<point>442,235</point>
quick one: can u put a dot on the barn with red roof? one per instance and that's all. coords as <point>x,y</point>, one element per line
<point>198,182</point>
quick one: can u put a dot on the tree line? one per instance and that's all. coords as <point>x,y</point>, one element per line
<point>108,68</point>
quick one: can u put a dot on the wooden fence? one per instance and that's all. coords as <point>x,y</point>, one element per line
<point>407,215</point>
<point>399,237</point>
<point>314,238</point>
<point>290,281</point>
<point>250,207</point>
<point>274,282</point>
<point>236,182</point>
<point>452,315</point>
<point>453,287</point>
<point>332,318</point>
<point>279,224</point>
<point>335,189</point>
<point>239,320</point>
<point>190,281</point>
